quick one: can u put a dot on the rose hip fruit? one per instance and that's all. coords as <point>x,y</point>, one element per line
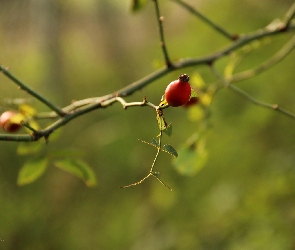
<point>7,124</point>
<point>178,92</point>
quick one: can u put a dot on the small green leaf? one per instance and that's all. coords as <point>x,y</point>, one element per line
<point>137,5</point>
<point>170,150</point>
<point>78,168</point>
<point>153,143</point>
<point>27,148</point>
<point>31,171</point>
<point>168,130</point>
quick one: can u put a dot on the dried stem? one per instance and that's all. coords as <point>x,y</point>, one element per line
<point>151,172</point>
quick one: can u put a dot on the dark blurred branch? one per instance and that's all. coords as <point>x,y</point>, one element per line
<point>206,20</point>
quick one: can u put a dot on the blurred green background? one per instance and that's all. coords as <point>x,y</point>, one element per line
<point>243,198</point>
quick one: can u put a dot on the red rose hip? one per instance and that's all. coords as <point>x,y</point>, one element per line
<point>7,124</point>
<point>178,92</point>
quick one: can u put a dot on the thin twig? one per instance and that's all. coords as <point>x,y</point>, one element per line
<point>250,98</point>
<point>130,104</point>
<point>27,125</point>
<point>32,92</point>
<point>276,58</point>
<point>137,183</point>
<point>275,107</point>
<point>207,20</point>
<point>289,15</point>
<point>160,20</point>
<point>162,182</point>
<point>151,172</point>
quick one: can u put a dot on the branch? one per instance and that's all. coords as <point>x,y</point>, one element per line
<point>289,15</point>
<point>276,58</point>
<point>32,92</point>
<point>205,60</point>
<point>160,20</point>
<point>250,98</point>
<point>100,103</point>
<point>81,107</point>
<point>151,172</point>
<point>215,26</point>
<point>275,107</point>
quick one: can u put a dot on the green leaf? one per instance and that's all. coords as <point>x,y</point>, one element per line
<point>168,130</point>
<point>191,159</point>
<point>153,143</point>
<point>27,148</point>
<point>78,168</point>
<point>137,5</point>
<point>31,171</point>
<point>170,150</point>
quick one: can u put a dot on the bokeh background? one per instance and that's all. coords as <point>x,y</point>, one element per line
<point>242,198</point>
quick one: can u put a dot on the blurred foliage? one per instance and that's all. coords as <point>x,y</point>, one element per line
<point>241,196</point>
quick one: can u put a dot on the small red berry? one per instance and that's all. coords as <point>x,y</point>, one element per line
<point>7,124</point>
<point>178,92</point>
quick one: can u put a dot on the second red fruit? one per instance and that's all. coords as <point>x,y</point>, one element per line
<point>7,124</point>
<point>178,92</point>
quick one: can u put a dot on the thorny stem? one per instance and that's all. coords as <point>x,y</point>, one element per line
<point>250,98</point>
<point>151,172</point>
<point>160,20</point>
<point>206,20</point>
